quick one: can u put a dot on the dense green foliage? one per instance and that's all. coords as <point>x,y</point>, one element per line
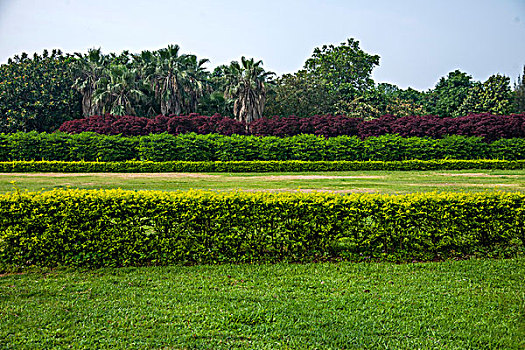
<point>335,79</point>
<point>493,96</point>
<point>36,94</point>
<point>169,83</point>
<point>41,93</point>
<point>247,83</point>
<point>519,94</point>
<point>213,147</point>
<point>59,146</point>
<point>148,83</point>
<point>128,228</point>
<point>298,94</point>
<point>449,94</point>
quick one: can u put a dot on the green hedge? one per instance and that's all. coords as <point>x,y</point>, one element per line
<point>213,147</point>
<point>254,166</point>
<point>127,228</point>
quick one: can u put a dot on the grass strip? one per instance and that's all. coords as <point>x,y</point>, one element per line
<point>472,304</point>
<point>379,181</point>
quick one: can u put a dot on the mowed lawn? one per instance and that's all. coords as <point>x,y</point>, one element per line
<point>357,181</point>
<point>472,304</point>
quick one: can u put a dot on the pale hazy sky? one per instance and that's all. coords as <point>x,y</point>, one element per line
<point>418,41</point>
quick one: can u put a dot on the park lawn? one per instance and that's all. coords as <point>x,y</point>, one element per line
<point>354,181</point>
<point>471,304</point>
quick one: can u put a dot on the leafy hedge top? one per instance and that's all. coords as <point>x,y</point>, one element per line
<point>194,147</point>
<point>128,228</point>
<point>273,166</point>
<point>488,126</point>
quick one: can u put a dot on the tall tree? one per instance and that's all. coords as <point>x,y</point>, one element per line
<point>247,84</point>
<point>194,81</point>
<point>472,103</point>
<point>118,91</point>
<point>335,79</point>
<point>214,99</point>
<point>36,94</point>
<point>519,94</point>
<point>166,79</point>
<point>89,69</point>
<point>346,71</point>
<point>493,96</point>
<point>449,93</point>
<point>162,80</point>
<point>144,65</point>
<point>299,94</point>
<point>179,81</point>
<point>400,102</point>
<point>497,95</point>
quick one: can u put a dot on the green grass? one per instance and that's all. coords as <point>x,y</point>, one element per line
<point>474,304</point>
<point>356,181</point>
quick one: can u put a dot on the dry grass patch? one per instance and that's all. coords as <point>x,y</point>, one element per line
<point>477,175</point>
<point>314,177</point>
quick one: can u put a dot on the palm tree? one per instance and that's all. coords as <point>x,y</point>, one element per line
<point>89,69</point>
<point>144,64</point>
<point>166,79</point>
<point>247,84</point>
<point>194,81</point>
<point>118,91</point>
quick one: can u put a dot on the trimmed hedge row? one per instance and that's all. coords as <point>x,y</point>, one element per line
<point>213,147</point>
<point>254,166</point>
<point>489,127</point>
<point>127,228</point>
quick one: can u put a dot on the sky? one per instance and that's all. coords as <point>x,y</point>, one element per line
<point>418,41</point>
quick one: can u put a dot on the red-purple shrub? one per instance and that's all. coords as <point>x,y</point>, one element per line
<point>134,126</point>
<point>205,125</point>
<point>276,126</point>
<point>428,125</point>
<point>326,125</point>
<point>490,127</point>
<point>157,125</point>
<point>376,127</point>
<point>330,126</point>
<point>129,126</point>
<point>107,124</point>
<point>180,125</point>
<point>227,126</point>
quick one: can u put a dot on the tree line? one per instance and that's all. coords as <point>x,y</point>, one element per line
<point>41,92</point>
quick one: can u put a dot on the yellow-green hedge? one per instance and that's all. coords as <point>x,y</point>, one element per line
<point>255,166</point>
<point>124,228</point>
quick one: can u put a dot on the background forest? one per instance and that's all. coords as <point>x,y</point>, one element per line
<point>42,91</point>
